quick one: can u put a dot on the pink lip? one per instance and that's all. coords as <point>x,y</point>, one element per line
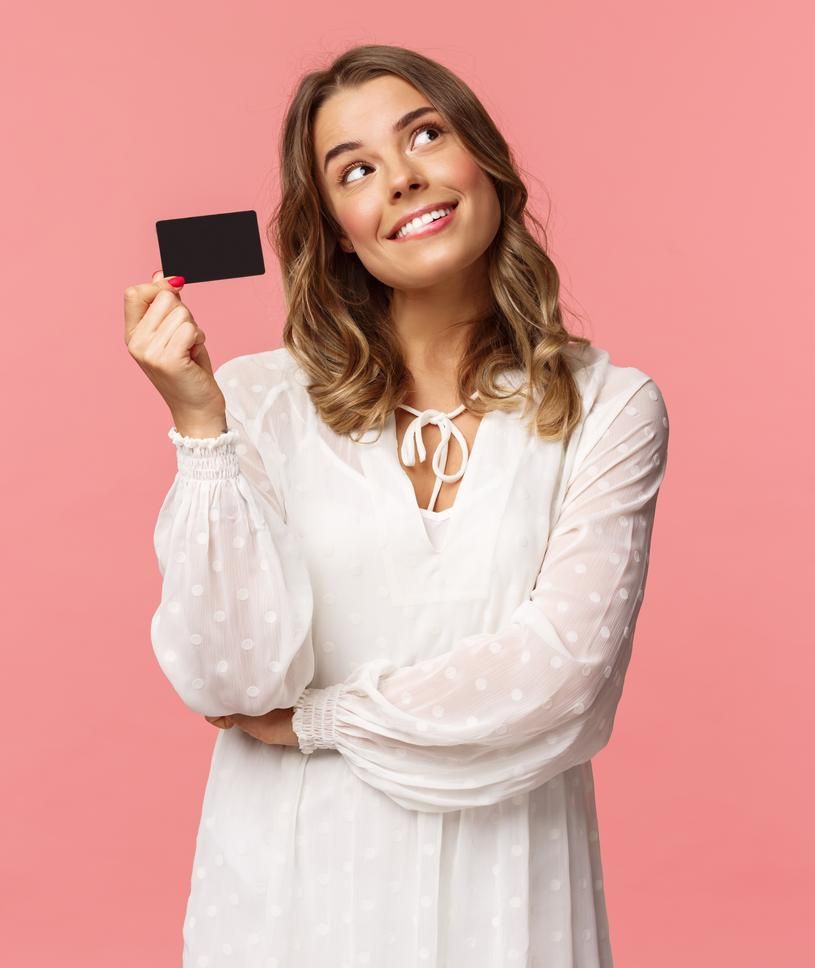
<point>430,229</point>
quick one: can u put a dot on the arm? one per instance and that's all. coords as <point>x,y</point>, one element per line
<point>233,630</point>
<point>500,714</point>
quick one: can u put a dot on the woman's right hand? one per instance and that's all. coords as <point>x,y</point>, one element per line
<point>164,339</point>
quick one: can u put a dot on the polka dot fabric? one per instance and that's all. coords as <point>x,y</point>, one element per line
<point>452,676</point>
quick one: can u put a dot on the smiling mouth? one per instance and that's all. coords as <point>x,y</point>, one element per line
<point>393,237</point>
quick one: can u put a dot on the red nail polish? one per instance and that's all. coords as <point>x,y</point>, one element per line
<point>177,281</point>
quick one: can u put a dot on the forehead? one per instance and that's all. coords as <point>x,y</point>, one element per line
<point>363,113</point>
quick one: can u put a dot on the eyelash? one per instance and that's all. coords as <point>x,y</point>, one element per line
<point>355,164</point>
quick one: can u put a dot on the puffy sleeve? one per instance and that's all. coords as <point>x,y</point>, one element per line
<point>502,713</point>
<point>232,632</point>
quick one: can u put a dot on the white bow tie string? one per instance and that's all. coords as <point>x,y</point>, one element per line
<point>414,441</point>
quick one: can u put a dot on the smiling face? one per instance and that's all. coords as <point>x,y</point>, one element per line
<point>371,188</point>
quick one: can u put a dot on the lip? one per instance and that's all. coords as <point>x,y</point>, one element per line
<point>420,211</point>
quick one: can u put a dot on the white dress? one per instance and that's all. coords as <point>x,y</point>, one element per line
<point>452,675</point>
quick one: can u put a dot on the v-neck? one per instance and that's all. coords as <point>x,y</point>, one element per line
<point>390,442</point>
<point>458,569</point>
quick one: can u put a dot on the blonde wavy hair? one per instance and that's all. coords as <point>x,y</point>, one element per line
<point>338,326</point>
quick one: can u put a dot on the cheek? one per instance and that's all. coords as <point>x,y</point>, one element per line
<point>359,219</point>
<point>466,176</point>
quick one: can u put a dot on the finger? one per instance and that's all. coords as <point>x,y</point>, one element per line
<point>181,340</point>
<point>139,298</point>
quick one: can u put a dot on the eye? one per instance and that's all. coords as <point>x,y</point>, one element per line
<point>361,164</point>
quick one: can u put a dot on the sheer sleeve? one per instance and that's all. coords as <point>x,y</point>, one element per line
<point>500,714</point>
<point>232,632</point>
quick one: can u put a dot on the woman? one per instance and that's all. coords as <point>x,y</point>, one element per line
<point>421,645</point>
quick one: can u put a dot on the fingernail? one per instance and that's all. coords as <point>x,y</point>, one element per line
<point>177,281</point>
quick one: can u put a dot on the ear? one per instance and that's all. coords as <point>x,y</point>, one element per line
<point>345,244</point>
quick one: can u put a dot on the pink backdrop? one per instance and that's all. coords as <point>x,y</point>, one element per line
<point>675,148</point>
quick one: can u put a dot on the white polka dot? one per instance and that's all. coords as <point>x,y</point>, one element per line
<point>438,711</point>
<point>181,557</point>
<point>238,541</point>
<point>196,639</point>
<point>554,884</point>
<point>472,720</point>
<point>517,695</point>
<point>222,666</point>
<point>202,537</point>
<point>252,691</point>
<point>556,662</point>
<point>247,644</point>
<point>495,647</point>
<point>197,683</point>
<point>526,655</point>
<point>515,902</point>
<point>480,684</point>
<point>174,607</point>
<point>270,616</point>
<point>219,616</point>
<point>217,564</point>
<point>517,850</point>
<point>201,871</point>
<point>450,672</point>
<point>243,594</point>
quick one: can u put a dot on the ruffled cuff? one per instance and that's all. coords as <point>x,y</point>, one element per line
<point>206,458</point>
<point>313,719</point>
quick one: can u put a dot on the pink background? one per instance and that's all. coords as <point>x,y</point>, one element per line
<point>674,146</point>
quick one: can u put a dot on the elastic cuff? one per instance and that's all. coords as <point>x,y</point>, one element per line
<point>314,719</point>
<point>206,458</point>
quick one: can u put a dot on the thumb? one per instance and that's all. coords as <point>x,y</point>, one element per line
<point>201,357</point>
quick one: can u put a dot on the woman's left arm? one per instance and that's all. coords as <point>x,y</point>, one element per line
<point>502,713</point>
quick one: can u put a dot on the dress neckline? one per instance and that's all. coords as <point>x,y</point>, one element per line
<point>413,441</point>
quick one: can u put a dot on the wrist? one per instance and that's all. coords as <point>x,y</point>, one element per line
<point>199,426</point>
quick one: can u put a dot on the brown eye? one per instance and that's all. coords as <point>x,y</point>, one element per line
<point>362,164</point>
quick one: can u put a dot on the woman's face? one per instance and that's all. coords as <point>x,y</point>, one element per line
<point>370,189</point>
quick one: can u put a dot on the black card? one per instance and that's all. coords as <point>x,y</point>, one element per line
<point>206,247</point>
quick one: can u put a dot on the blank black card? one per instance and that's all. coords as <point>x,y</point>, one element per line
<point>206,247</point>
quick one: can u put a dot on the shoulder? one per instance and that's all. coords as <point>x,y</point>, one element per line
<point>251,383</point>
<point>610,392</point>
<point>606,386</point>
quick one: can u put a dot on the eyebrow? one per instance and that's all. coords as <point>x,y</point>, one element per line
<point>403,122</point>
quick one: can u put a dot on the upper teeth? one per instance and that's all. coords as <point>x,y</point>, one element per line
<point>422,220</point>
